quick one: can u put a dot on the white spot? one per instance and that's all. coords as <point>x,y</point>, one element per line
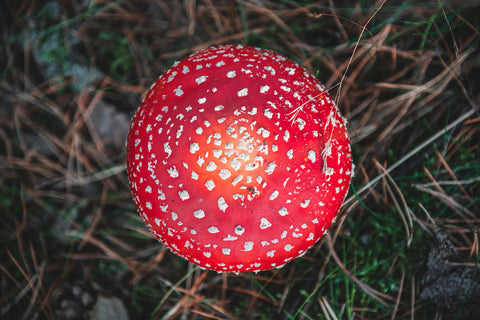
<point>148,205</point>
<point>264,223</point>
<point>200,161</point>
<point>174,216</point>
<point>271,253</point>
<point>267,113</point>
<point>201,79</point>
<point>207,254</point>
<point>328,171</point>
<point>220,63</point>
<point>211,166</point>
<point>172,76</point>
<point>235,164</point>
<point>210,185</point>
<point>224,174</point>
<point>246,71</point>
<point>301,123</point>
<point>185,70</point>
<point>167,149</point>
<point>199,130</point>
<point>219,107</point>
<point>305,203</point>
<point>283,211</point>
<point>202,100</point>
<point>173,172</point>
<point>264,132</point>
<point>288,247</point>
<point>230,238</point>
<point>264,89</point>
<point>217,153</point>
<point>222,204</point>
<point>213,230</point>
<point>184,195</point>
<point>286,135</point>
<point>148,189</point>
<point>194,147</point>
<point>270,167</point>
<point>269,68</point>
<point>157,221</point>
<point>312,156</point>
<point>226,251</point>
<point>291,71</point>
<point>243,92</point>
<point>237,179</point>
<point>274,195</point>
<point>310,237</point>
<point>248,246</point>
<point>231,74</point>
<point>179,132</point>
<point>290,154</point>
<point>161,195</point>
<point>239,230</point>
<point>178,91</point>
<point>230,130</point>
<point>272,105</point>
<point>199,213</point>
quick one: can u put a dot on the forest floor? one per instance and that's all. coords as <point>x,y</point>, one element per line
<point>406,76</point>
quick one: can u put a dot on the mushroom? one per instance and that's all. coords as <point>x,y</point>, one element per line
<point>238,159</point>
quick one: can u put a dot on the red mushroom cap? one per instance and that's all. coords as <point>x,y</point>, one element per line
<point>238,159</point>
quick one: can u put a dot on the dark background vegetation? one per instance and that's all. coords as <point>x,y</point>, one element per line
<point>406,75</point>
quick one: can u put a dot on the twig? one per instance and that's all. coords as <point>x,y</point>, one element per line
<point>405,158</point>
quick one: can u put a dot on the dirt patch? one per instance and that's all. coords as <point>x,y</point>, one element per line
<point>453,287</point>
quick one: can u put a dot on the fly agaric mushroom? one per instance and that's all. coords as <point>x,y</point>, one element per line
<point>238,159</point>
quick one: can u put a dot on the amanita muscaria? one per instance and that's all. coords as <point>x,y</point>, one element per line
<point>238,159</point>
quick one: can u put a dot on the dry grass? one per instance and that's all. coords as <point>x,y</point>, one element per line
<point>405,76</point>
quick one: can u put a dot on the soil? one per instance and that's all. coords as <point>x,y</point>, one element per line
<point>453,287</point>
